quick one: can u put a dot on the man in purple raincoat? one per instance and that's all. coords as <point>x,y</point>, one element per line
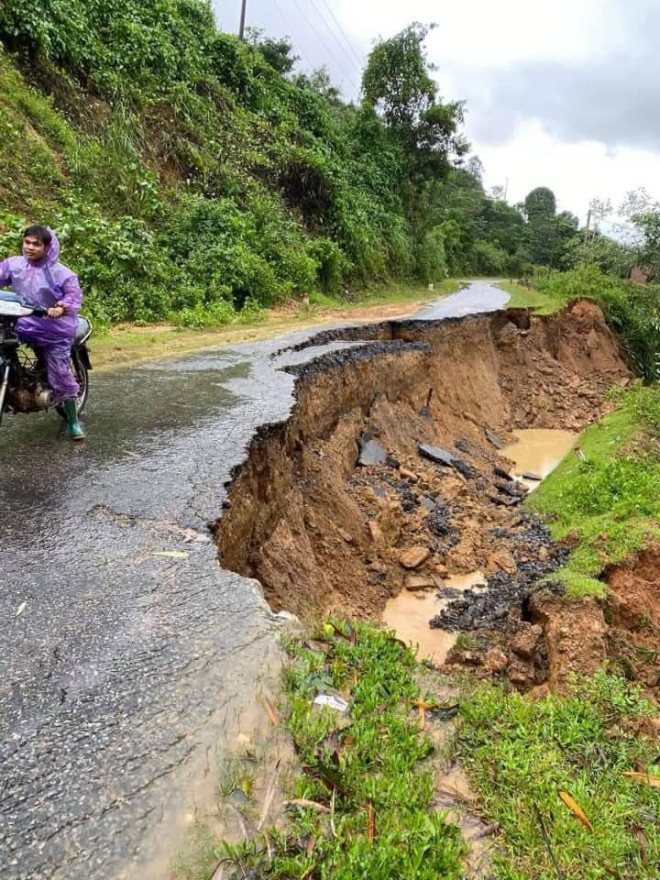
<point>40,280</point>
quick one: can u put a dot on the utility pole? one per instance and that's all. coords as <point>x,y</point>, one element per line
<point>506,188</point>
<point>241,27</point>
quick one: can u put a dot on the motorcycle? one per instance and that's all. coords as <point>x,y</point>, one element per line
<point>23,380</point>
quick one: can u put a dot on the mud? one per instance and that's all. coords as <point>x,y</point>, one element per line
<point>632,617</point>
<point>324,533</point>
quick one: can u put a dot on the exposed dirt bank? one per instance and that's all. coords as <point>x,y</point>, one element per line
<point>344,505</point>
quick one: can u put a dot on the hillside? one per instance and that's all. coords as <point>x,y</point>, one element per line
<point>185,174</point>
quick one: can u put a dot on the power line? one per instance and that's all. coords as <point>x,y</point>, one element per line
<point>322,41</point>
<point>343,33</point>
<point>335,38</point>
<point>286,25</point>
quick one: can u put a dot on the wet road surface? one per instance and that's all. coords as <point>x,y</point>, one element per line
<point>122,669</point>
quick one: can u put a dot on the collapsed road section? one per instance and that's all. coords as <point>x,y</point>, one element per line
<point>388,475</point>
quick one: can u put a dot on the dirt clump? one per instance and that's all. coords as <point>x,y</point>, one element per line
<point>632,611</point>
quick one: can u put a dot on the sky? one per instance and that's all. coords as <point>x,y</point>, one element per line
<point>564,94</point>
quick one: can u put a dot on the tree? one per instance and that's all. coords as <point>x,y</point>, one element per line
<point>277,52</point>
<point>540,203</point>
<point>547,233</point>
<point>397,84</point>
<point>319,81</point>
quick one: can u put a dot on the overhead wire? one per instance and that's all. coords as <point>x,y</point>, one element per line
<point>323,43</point>
<point>335,38</point>
<point>343,33</point>
<point>286,25</point>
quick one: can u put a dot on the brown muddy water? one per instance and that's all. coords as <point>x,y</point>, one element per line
<point>537,451</point>
<point>408,614</point>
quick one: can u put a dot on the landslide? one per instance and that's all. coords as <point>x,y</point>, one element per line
<point>335,510</point>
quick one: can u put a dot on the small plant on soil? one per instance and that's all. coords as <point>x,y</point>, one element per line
<point>552,773</point>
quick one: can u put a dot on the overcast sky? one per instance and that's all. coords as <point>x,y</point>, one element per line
<point>560,93</point>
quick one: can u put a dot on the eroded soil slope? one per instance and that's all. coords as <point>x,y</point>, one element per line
<point>328,528</point>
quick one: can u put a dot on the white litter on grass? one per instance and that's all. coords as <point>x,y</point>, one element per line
<point>331,701</point>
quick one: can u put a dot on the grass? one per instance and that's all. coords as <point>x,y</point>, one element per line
<point>361,802</point>
<point>520,753</point>
<point>368,775</point>
<point>609,501</point>
<point>130,344</point>
<point>523,297</point>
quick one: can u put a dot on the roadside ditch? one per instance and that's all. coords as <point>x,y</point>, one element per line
<point>391,493</point>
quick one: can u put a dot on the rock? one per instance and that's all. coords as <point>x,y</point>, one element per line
<point>504,502</point>
<point>513,489</point>
<point>437,454</point>
<point>413,557</point>
<point>494,439</point>
<point>525,642</point>
<point>504,560</point>
<point>494,661</point>
<point>371,451</point>
<point>500,472</point>
<point>376,532</point>
<point>414,582</point>
<point>427,502</point>
<point>528,475</point>
<point>441,570</point>
<point>520,675</point>
<point>408,475</point>
<point>345,536</point>
<point>544,554</point>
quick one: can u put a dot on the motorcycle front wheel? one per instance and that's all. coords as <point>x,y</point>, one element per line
<point>82,378</point>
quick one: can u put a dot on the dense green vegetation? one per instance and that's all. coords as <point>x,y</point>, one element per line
<point>608,499</point>
<point>190,175</point>
<point>520,753</point>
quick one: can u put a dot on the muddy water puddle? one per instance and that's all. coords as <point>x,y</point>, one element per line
<point>409,613</point>
<point>538,451</point>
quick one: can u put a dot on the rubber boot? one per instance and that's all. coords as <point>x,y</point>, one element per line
<point>73,427</point>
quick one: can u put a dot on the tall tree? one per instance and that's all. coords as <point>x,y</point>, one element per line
<point>398,85</point>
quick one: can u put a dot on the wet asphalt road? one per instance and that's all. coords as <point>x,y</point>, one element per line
<point>121,670</point>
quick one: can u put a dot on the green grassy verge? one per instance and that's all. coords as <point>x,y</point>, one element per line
<point>520,753</point>
<point>367,781</point>
<point>523,297</point>
<point>361,802</point>
<point>608,499</point>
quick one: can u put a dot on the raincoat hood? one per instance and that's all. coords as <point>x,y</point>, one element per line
<point>52,252</point>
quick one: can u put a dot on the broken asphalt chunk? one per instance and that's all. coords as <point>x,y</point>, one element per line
<point>371,451</point>
<point>437,454</point>
<point>494,439</point>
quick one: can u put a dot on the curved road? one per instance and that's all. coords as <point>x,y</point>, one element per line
<point>126,653</point>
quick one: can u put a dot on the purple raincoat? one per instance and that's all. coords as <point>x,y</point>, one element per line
<point>47,283</point>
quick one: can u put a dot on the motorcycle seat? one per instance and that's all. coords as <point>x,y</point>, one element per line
<point>83,331</point>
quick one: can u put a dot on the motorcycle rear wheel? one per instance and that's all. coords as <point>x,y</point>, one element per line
<point>82,378</point>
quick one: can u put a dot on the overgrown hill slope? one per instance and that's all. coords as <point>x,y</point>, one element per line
<point>180,168</point>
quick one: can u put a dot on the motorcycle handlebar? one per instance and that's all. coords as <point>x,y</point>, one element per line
<point>38,312</point>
